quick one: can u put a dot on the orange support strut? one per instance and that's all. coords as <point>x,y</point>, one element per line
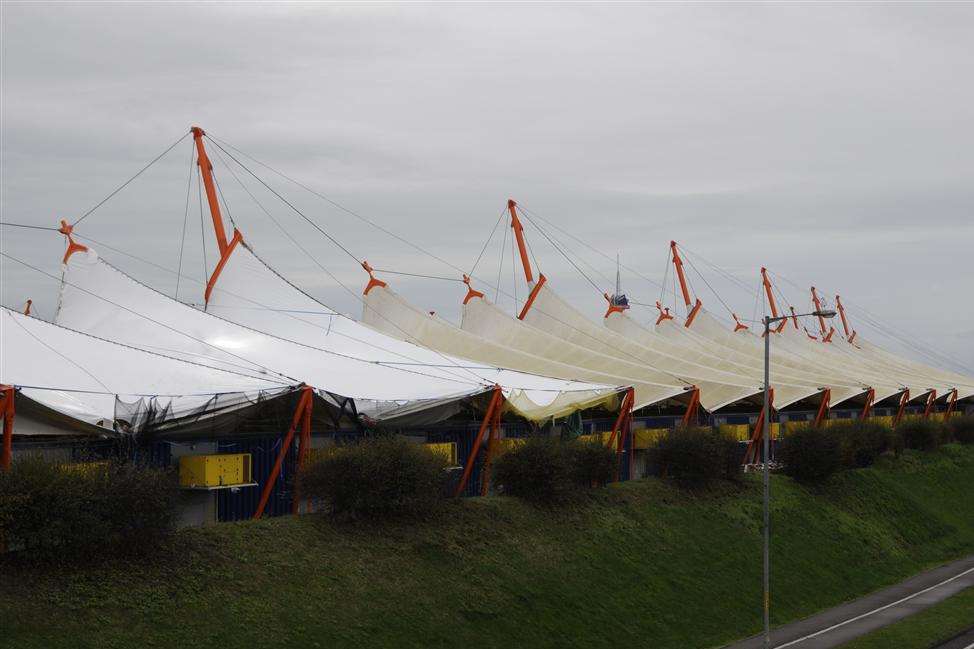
<point>690,416</point>
<point>931,398</point>
<point>845,323</point>
<point>302,415</point>
<point>903,401</point>
<point>532,296</point>
<point>7,410</point>
<point>678,264</point>
<point>492,441</point>
<point>767,290</point>
<point>519,235</point>
<point>868,406</point>
<point>27,307</point>
<point>620,430</point>
<point>206,170</point>
<point>753,448</point>
<point>823,408</point>
<point>495,403</point>
<point>951,404</point>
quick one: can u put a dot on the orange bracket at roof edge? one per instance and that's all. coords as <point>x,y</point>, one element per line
<point>27,307</point>
<point>531,296</point>
<point>613,308</point>
<point>664,313</point>
<point>66,229</point>
<point>237,238</point>
<point>373,282</point>
<point>471,291</point>
<point>738,324</point>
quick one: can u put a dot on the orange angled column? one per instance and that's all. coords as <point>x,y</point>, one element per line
<point>495,404</point>
<point>904,399</point>
<point>823,408</point>
<point>303,407</point>
<point>206,170</point>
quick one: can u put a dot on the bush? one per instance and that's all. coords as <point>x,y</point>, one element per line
<point>58,510</point>
<point>379,477</point>
<point>810,454</point>
<point>862,441</point>
<point>962,428</point>
<point>921,434</point>
<point>593,463</point>
<point>696,456</point>
<point>542,469</point>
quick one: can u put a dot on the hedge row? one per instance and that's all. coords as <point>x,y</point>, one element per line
<point>811,454</point>
<point>50,510</point>
<point>547,469</point>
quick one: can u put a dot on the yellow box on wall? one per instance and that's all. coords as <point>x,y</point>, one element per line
<point>215,471</point>
<point>447,450</point>
<point>647,437</point>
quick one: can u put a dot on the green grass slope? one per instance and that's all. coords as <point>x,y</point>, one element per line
<point>642,562</point>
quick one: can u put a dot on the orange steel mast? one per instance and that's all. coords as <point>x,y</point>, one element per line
<point>521,246</point>
<point>845,323</point>
<point>678,264</point>
<point>206,170</point>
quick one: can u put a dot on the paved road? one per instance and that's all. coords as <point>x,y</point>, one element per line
<point>836,626</point>
<point>963,641</point>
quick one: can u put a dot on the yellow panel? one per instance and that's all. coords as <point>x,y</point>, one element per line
<point>509,443</point>
<point>85,468</point>
<point>222,470</point>
<point>596,437</point>
<point>740,432</point>
<point>448,450</point>
<point>647,437</point>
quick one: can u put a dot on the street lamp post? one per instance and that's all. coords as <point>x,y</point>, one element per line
<point>766,434</point>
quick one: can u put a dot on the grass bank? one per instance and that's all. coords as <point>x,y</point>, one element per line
<point>641,562</point>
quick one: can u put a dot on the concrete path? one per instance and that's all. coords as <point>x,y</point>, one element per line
<point>841,624</point>
<point>963,641</point>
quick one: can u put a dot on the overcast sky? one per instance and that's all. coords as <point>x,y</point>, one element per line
<point>830,142</point>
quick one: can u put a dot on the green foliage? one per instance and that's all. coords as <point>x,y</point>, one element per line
<point>810,454</point>
<point>541,469</point>
<point>862,441</point>
<point>593,463</point>
<point>962,428</point>
<point>677,566</point>
<point>379,477</point>
<point>696,456</point>
<point>63,511</point>
<point>922,434</point>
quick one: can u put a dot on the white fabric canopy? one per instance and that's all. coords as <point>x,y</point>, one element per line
<point>300,341</point>
<point>80,375</point>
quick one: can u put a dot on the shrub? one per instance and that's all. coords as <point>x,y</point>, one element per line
<point>379,477</point>
<point>862,441</point>
<point>962,428</point>
<point>696,456</point>
<point>593,463</point>
<point>541,469</point>
<point>921,434</point>
<point>810,454</point>
<point>61,510</point>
